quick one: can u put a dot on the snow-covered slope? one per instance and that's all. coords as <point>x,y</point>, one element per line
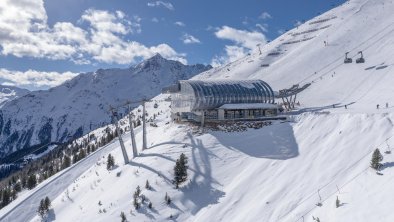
<point>81,104</point>
<point>8,93</point>
<point>267,174</point>
<point>278,172</point>
<point>358,25</point>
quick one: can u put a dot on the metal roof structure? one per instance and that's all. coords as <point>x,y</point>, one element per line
<point>211,94</point>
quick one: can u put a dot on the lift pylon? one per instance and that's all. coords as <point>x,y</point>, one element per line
<point>133,143</point>
<point>115,118</point>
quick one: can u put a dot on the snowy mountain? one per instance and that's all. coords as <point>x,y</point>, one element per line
<point>278,172</point>
<point>8,93</point>
<point>82,103</point>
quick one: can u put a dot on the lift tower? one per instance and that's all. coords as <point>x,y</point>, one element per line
<point>115,118</point>
<point>144,124</point>
<point>133,144</point>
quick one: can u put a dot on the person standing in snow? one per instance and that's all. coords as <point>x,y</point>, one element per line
<point>377,106</point>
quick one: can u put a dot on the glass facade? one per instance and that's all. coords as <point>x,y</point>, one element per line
<point>195,95</point>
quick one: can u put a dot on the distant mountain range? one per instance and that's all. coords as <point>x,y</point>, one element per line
<point>82,103</point>
<point>8,93</point>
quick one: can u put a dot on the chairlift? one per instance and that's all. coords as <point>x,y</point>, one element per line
<point>361,59</point>
<point>347,59</point>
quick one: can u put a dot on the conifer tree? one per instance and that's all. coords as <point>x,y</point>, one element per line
<point>75,158</point>
<point>147,185</point>
<point>110,162</point>
<point>376,159</point>
<point>41,209</point>
<point>136,204</point>
<point>5,200</point>
<point>137,192</point>
<point>82,154</point>
<point>31,181</point>
<point>167,199</point>
<point>66,162</point>
<point>47,203</point>
<point>180,170</point>
<point>17,187</point>
<point>123,217</point>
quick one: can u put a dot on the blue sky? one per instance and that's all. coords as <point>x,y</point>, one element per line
<point>45,42</point>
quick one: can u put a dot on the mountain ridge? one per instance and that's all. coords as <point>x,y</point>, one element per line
<point>81,104</point>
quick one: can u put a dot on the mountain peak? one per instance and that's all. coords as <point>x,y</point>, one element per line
<point>156,56</point>
<point>155,61</point>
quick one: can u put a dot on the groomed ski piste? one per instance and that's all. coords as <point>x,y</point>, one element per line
<point>276,173</point>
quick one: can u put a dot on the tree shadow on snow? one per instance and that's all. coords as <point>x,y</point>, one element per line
<point>152,170</point>
<point>273,142</point>
<point>200,191</point>
<point>387,165</point>
<point>51,216</point>
<point>145,210</point>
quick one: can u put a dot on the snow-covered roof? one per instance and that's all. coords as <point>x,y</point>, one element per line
<point>249,106</point>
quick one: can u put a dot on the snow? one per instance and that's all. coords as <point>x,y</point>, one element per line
<point>277,172</point>
<point>273,173</point>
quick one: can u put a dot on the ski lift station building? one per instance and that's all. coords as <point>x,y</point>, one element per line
<point>213,100</point>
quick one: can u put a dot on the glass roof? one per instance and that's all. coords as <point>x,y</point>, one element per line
<point>215,93</point>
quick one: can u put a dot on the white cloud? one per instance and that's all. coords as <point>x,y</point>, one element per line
<point>262,27</point>
<point>189,39</point>
<point>243,38</point>
<point>265,15</point>
<point>24,32</point>
<point>180,24</point>
<point>167,5</point>
<point>33,79</point>
<point>154,19</point>
<point>233,53</point>
<point>244,41</point>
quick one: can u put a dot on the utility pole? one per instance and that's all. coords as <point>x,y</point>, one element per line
<point>258,45</point>
<point>133,144</point>
<point>115,116</point>
<point>143,125</point>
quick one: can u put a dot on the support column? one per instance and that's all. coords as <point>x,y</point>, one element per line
<point>295,97</point>
<point>202,121</point>
<point>125,156</point>
<point>133,144</point>
<point>144,146</point>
